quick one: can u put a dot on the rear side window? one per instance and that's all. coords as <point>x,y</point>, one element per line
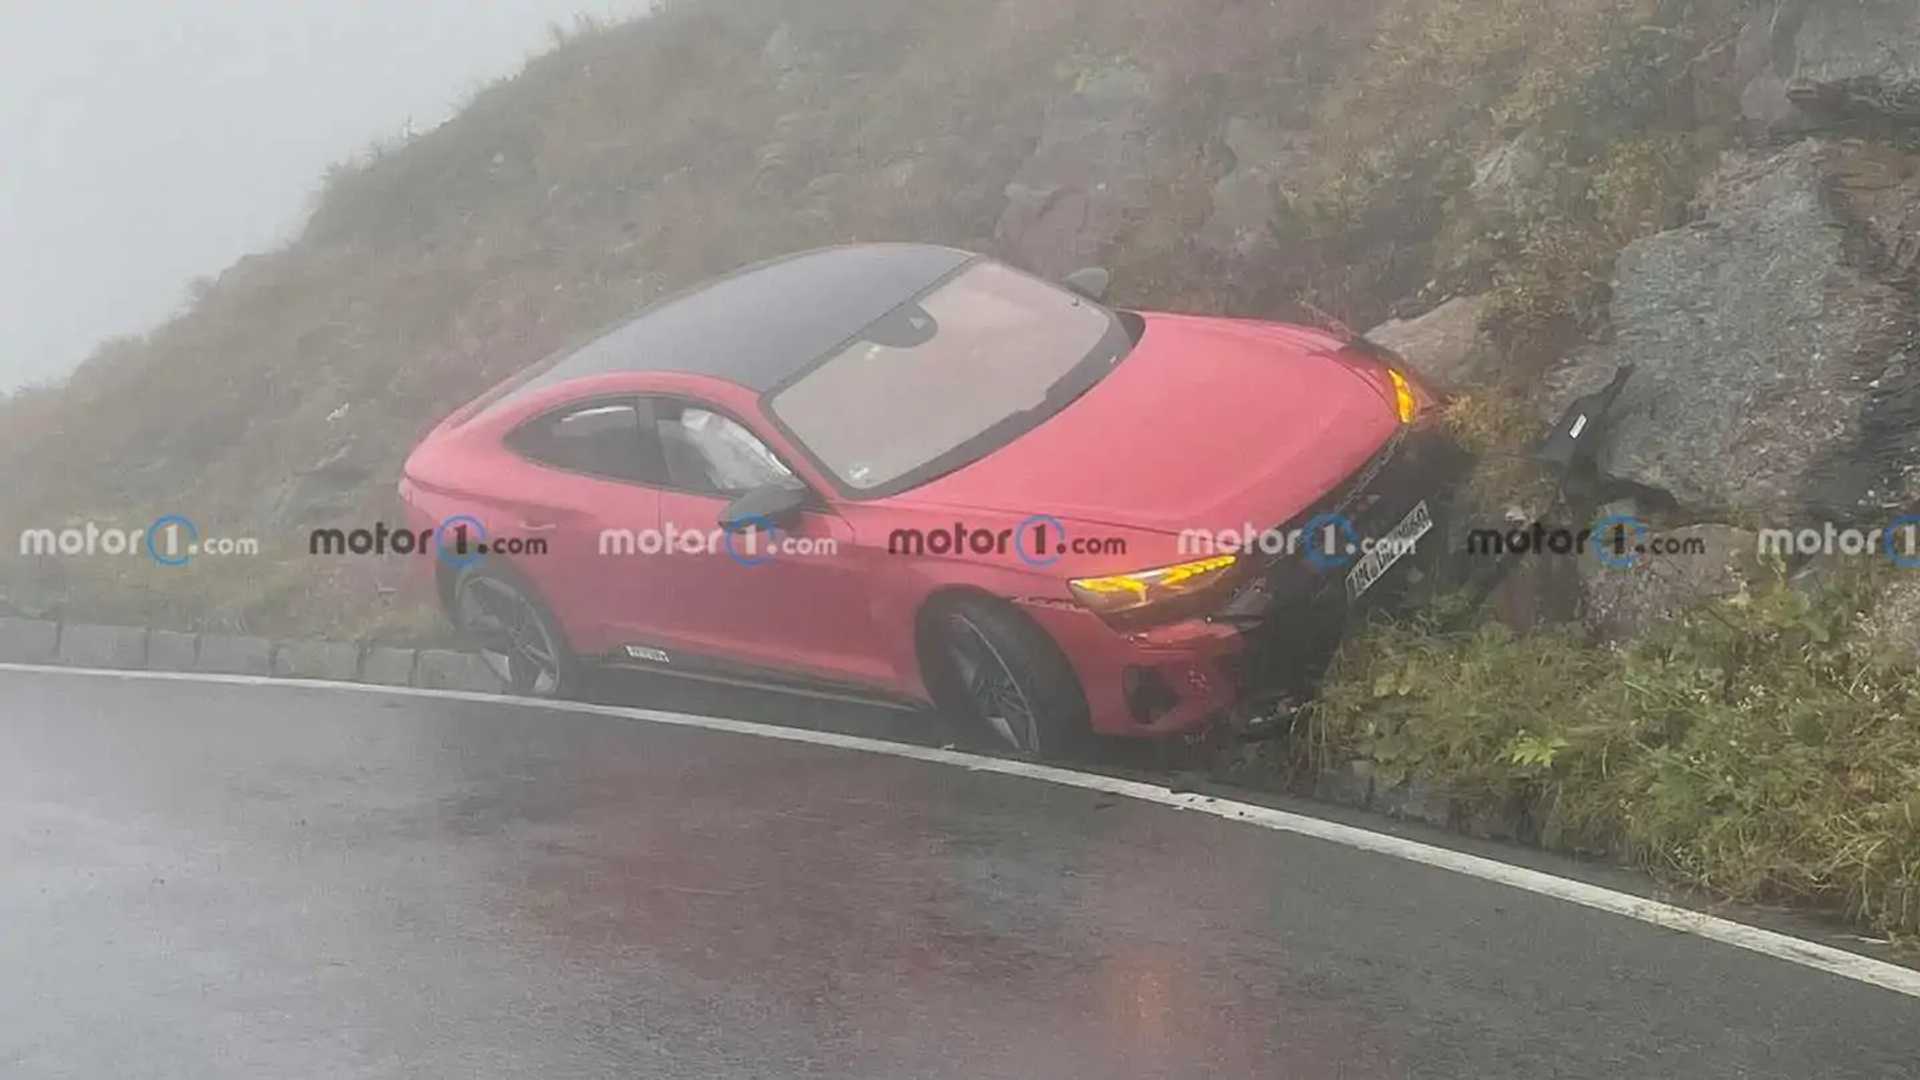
<point>712,454</point>
<point>614,439</point>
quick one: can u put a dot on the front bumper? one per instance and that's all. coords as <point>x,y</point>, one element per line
<point>1160,680</point>
<point>1276,630</point>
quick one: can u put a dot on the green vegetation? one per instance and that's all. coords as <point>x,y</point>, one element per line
<point>635,159</point>
<point>627,163</point>
<point>1498,426</point>
<point>1757,748</point>
<point>1610,127</point>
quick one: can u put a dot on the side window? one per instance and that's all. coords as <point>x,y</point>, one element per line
<point>708,452</point>
<point>606,438</point>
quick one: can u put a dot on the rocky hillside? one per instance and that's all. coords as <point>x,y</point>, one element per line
<point>1520,195</point>
<point>1533,191</point>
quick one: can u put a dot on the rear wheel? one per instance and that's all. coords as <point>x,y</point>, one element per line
<point>516,635</point>
<point>1005,679</point>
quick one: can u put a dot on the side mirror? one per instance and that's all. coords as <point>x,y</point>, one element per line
<point>1089,281</point>
<point>766,504</point>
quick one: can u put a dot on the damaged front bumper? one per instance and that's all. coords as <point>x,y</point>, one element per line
<point>1273,633</point>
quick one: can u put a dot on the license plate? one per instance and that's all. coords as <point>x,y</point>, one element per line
<point>1389,550</point>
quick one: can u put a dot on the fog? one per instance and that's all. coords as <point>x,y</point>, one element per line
<point>148,144</point>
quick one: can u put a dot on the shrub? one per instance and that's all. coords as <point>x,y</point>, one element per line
<point>1749,748</point>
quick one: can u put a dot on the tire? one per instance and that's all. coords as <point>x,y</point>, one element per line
<point>518,638</point>
<point>1004,679</point>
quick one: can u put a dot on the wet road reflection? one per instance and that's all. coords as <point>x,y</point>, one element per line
<point>253,881</point>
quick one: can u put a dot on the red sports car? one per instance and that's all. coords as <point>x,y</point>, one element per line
<point>912,474</point>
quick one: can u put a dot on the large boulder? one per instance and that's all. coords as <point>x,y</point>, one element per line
<point>1264,156</point>
<point>1508,180</point>
<point>1447,346</point>
<point>1525,180</point>
<point>1771,376</point>
<point>1858,58</point>
<point>1810,63</point>
<point>1625,597</point>
<point>1086,177</point>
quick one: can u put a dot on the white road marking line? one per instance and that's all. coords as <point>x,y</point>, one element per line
<point>1794,950</point>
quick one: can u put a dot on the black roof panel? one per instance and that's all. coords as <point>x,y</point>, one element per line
<point>762,324</point>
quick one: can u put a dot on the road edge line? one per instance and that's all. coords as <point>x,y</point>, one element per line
<point>1810,954</point>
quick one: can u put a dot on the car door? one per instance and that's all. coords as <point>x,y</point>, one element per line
<point>798,599</point>
<point>595,504</point>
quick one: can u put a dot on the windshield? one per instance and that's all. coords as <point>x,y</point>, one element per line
<point>1060,539</point>
<point>947,377</point>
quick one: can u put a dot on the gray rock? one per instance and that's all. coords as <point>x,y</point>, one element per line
<point>1535,592</point>
<point>1446,345</point>
<point>1763,61</point>
<point>1496,824</point>
<point>233,654</point>
<point>1087,175</point>
<point>1808,64</point>
<point>1516,185</point>
<point>172,650</point>
<point>91,645</point>
<point>1620,602</point>
<point>1243,200</point>
<point>444,669</point>
<point>1756,338</point>
<point>337,660</point>
<point>1765,103</point>
<point>1858,58</point>
<point>1351,786</point>
<point>1414,800</point>
<point>28,641</point>
<point>1506,179</point>
<point>386,666</point>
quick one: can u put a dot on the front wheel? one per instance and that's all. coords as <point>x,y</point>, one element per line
<point>517,637</point>
<point>1006,679</point>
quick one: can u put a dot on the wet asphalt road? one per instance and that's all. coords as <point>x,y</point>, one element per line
<point>212,880</point>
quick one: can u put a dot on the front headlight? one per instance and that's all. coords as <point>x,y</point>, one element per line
<point>1129,592</point>
<point>1403,400</point>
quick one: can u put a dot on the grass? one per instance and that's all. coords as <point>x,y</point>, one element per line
<point>1605,90</point>
<point>631,161</point>
<point>1498,427</point>
<point>608,173</point>
<point>1755,748</point>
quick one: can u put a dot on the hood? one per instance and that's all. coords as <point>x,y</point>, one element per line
<point>1207,424</point>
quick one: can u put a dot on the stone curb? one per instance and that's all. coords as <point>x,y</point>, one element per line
<point>40,641</point>
<point>134,648</point>
<point>336,660</point>
<point>233,654</point>
<point>1413,800</point>
<point>443,669</point>
<point>29,641</point>
<point>89,645</point>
